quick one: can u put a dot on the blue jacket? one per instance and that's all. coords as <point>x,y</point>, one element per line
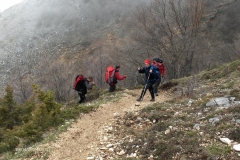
<point>156,69</point>
<point>152,76</point>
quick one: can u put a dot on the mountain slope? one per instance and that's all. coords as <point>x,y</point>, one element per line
<point>183,123</point>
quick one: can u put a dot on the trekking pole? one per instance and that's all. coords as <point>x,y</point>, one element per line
<point>143,91</point>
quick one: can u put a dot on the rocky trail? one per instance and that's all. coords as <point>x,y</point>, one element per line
<point>83,139</point>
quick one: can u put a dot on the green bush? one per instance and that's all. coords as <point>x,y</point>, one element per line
<point>27,121</point>
<point>162,146</point>
<point>8,112</point>
<point>9,144</point>
<point>12,142</point>
<point>216,150</point>
<point>234,66</point>
<point>234,134</point>
<point>166,150</point>
<point>93,94</point>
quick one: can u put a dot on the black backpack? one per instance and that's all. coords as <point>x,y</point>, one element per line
<point>77,83</point>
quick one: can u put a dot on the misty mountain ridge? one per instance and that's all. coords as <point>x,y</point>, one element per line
<point>45,39</point>
<point>71,21</point>
<point>33,28</point>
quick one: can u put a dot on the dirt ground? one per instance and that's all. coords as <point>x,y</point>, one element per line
<point>82,139</point>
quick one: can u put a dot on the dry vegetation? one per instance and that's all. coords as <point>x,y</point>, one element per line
<point>179,128</point>
<point>188,41</point>
<point>51,53</point>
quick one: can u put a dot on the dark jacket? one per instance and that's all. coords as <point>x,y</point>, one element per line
<point>156,67</point>
<point>152,76</point>
<point>84,85</point>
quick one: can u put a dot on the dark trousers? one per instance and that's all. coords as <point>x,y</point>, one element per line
<point>112,87</point>
<point>82,97</point>
<point>155,86</point>
<point>148,86</point>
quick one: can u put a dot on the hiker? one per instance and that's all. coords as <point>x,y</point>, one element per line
<point>162,68</point>
<point>151,77</point>
<point>158,80</point>
<point>83,86</point>
<point>116,77</point>
<point>162,74</point>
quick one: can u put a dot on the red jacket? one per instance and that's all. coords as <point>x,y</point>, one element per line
<point>162,69</point>
<point>118,77</point>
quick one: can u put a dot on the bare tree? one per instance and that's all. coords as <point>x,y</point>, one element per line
<point>135,55</point>
<point>99,60</point>
<point>22,84</point>
<point>171,29</point>
<point>96,66</point>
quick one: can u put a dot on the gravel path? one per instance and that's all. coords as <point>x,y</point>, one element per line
<point>82,139</point>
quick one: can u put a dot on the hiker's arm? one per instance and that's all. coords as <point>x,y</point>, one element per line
<point>141,70</point>
<point>164,71</point>
<point>119,77</point>
<point>88,85</point>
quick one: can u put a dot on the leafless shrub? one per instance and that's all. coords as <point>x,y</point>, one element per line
<point>191,84</point>
<point>170,29</point>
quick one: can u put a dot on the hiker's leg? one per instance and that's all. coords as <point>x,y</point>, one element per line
<point>80,96</point>
<point>112,88</point>
<point>143,92</point>
<point>151,91</point>
<point>83,98</point>
<point>155,86</point>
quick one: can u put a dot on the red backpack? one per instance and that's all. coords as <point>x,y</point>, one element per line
<point>78,79</point>
<point>110,74</point>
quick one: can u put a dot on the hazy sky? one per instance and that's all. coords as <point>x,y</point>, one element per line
<point>4,4</point>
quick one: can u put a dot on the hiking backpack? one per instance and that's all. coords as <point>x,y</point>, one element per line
<point>110,74</point>
<point>155,71</point>
<point>78,79</point>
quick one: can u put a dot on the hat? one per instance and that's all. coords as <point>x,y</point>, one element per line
<point>159,60</point>
<point>147,61</point>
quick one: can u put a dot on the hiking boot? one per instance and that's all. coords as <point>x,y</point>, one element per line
<point>156,94</point>
<point>139,99</point>
<point>152,100</point>
<point>81,101</point>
